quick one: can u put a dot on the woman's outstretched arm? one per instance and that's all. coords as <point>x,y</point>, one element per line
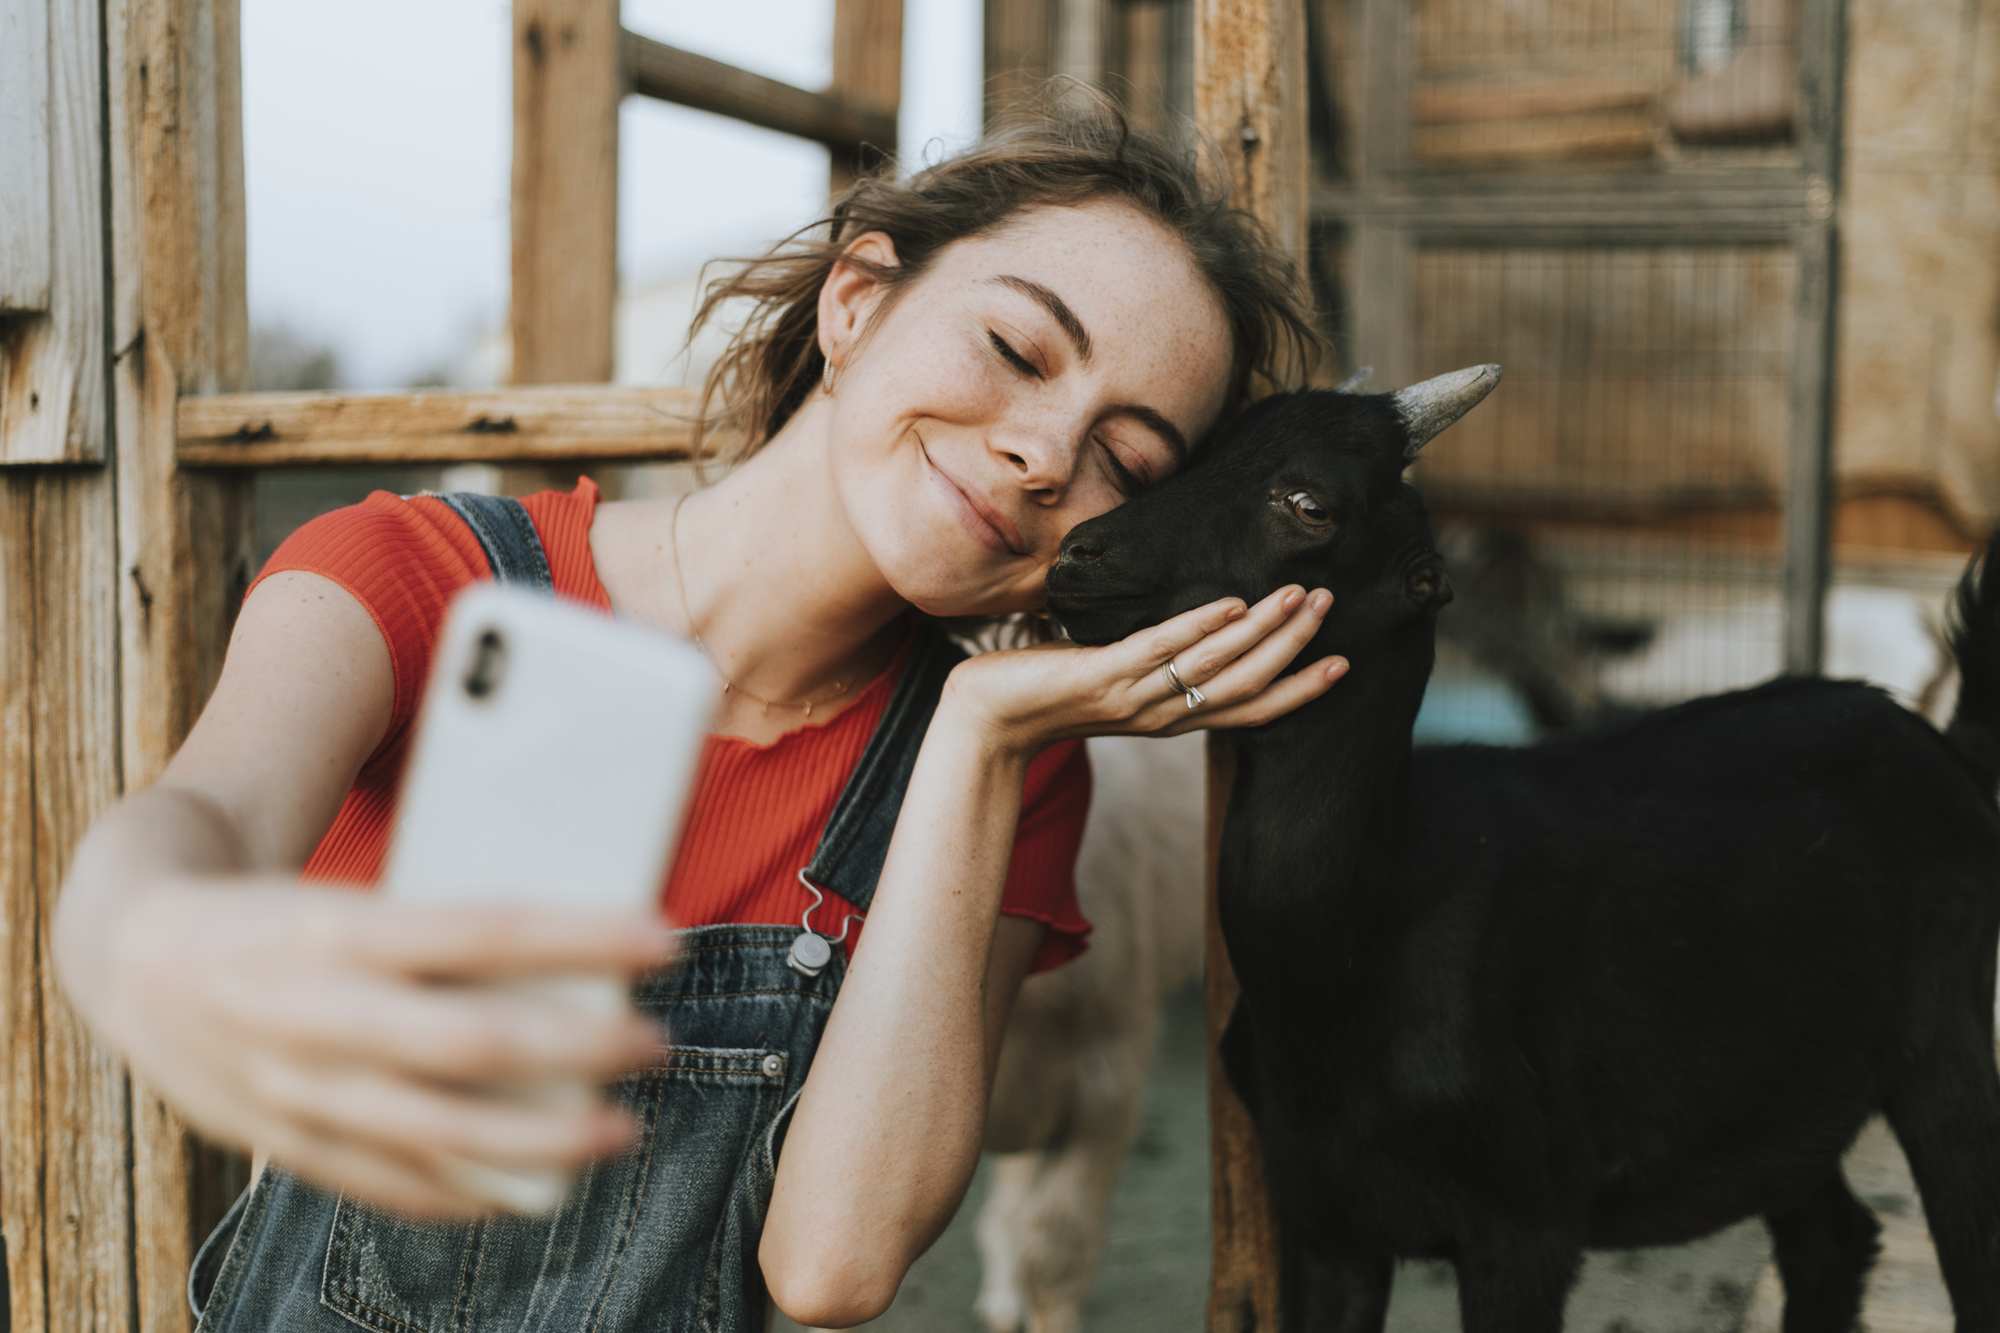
<point>888,1129</point>
<point>301,1021</point>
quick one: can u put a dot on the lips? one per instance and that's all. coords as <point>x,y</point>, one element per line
<point>988,526</point>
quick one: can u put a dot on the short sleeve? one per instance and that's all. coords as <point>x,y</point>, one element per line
<point>402,559</point>
<point>405,557</point>
<point>1041,880</point>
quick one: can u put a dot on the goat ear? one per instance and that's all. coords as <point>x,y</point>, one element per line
<point>1356,382</point>
<point>1429,407</point>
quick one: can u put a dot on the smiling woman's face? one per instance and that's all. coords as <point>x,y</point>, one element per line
<point>1033,378</point>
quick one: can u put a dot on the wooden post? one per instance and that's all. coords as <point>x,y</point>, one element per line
<point>868,69</point>
<point>567,84</point>
<point>185,540</point>
<point>64,1191</point>
<point>1250,99</point>
<point>569,78</point>
<point>1020,40</point>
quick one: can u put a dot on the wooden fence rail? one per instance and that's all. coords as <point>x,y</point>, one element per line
<point>654,69</point>
<point>544,424</point>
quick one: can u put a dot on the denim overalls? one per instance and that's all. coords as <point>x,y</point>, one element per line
<point>663,1238</point>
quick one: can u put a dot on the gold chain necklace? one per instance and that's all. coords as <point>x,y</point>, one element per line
<point>680,582</point>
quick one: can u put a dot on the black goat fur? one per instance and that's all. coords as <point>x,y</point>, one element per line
<point>1501,1006</point>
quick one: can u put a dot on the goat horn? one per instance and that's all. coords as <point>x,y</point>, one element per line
<point>1429,407</point>
<point>1353,383</point>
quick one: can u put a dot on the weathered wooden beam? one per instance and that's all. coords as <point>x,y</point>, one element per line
<point>25,234</point>
<point>52,362</point>
<point>1251,100</point>
<point>185,542</point>
<point>1809,450</point>
<point>654,69</point>
<point>1019,51</point>
<point>550,424</point>
<point>568,80</point>
<point>867,71</point>
<point>65,1188</point>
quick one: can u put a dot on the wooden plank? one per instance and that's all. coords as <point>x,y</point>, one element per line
<point>1243,1286</point>
<point>25,234</point>
<point>85,1189</point>
<point>654,69</point>
<point>1019,51</point>
<point>867,71</point>
<point>1447,103</point>
<point>21,1122</point>
<point>1251,100</point>
<point>185,541</point>
<point>567,83</point>
<point>1380,261</point>
<point>508,425</point>
<point>1809,451</point>
<point>52,365</point>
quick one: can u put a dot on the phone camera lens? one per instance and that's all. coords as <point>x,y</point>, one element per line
<point>489,664</point>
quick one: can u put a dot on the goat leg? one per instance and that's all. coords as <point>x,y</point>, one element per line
<point>1514,1278</point>
<point>1946,1114</point>
<point>1824,1244</point>
<point>1348,1293</point>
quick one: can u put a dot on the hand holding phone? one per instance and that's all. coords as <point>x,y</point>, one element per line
<point>554,757</point>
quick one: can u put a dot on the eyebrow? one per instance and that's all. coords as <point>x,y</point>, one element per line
<point>1058,309</point>
<point>1160,426</point>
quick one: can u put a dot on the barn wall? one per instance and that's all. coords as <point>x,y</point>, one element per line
<point>1920,274</point>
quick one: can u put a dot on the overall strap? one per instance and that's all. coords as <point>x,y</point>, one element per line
<point>508,537</point>
<point>849,857</point>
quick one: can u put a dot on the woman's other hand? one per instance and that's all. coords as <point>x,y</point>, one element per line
<point>1028,698</point>
<point>358,1040</point>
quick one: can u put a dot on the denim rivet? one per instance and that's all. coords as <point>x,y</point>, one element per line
<point>774,1065</point>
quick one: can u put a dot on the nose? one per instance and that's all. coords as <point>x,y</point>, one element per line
<point>1080,551</point>
<point>1042,456</point>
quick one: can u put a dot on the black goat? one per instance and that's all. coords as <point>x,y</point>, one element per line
<point>1500,1006</point>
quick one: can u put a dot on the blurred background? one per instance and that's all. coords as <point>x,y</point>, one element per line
<point>1704,238</point>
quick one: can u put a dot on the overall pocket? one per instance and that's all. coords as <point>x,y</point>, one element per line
<point>633,1240</point>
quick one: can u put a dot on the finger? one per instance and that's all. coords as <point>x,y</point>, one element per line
<point>1143,652</point>
<point>472,1035</point>
<point>1280,698</point>
<point>383,1180</point>
<point>543,1130</point>
<point>1248,674</point>
<point>1274,614</point>
<point>483,942</point>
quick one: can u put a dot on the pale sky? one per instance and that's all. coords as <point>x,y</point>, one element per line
<point>376,140</point>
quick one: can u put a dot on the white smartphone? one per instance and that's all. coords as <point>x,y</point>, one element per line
<point>555,752</point>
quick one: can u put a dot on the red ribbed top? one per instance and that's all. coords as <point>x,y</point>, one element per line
<point>757,811</point>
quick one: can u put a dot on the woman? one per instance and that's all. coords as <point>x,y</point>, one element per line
<point>969,364</point>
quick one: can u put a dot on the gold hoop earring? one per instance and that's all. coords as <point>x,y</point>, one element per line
<point>826,377</point>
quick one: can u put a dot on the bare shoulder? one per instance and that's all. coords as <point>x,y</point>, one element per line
<point>306,694</point>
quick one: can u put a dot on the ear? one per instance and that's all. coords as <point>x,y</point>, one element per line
<point>848,297</point>
<point>1427,585</point>
<point>1429,407</point>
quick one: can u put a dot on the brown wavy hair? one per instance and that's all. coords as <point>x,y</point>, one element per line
<point>1075,147</point>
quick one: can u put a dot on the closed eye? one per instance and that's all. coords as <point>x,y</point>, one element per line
<point>1128,482</point>
<point>1014,358</point>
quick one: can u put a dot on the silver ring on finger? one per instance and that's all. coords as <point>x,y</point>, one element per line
<point>1194,696</point>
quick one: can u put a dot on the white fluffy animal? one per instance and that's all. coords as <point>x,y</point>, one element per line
<point>1080,1042</point>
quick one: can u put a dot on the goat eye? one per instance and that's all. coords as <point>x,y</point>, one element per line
<point>1309,510</point>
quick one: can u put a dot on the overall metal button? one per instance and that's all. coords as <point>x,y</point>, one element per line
<point>774,1065</point>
